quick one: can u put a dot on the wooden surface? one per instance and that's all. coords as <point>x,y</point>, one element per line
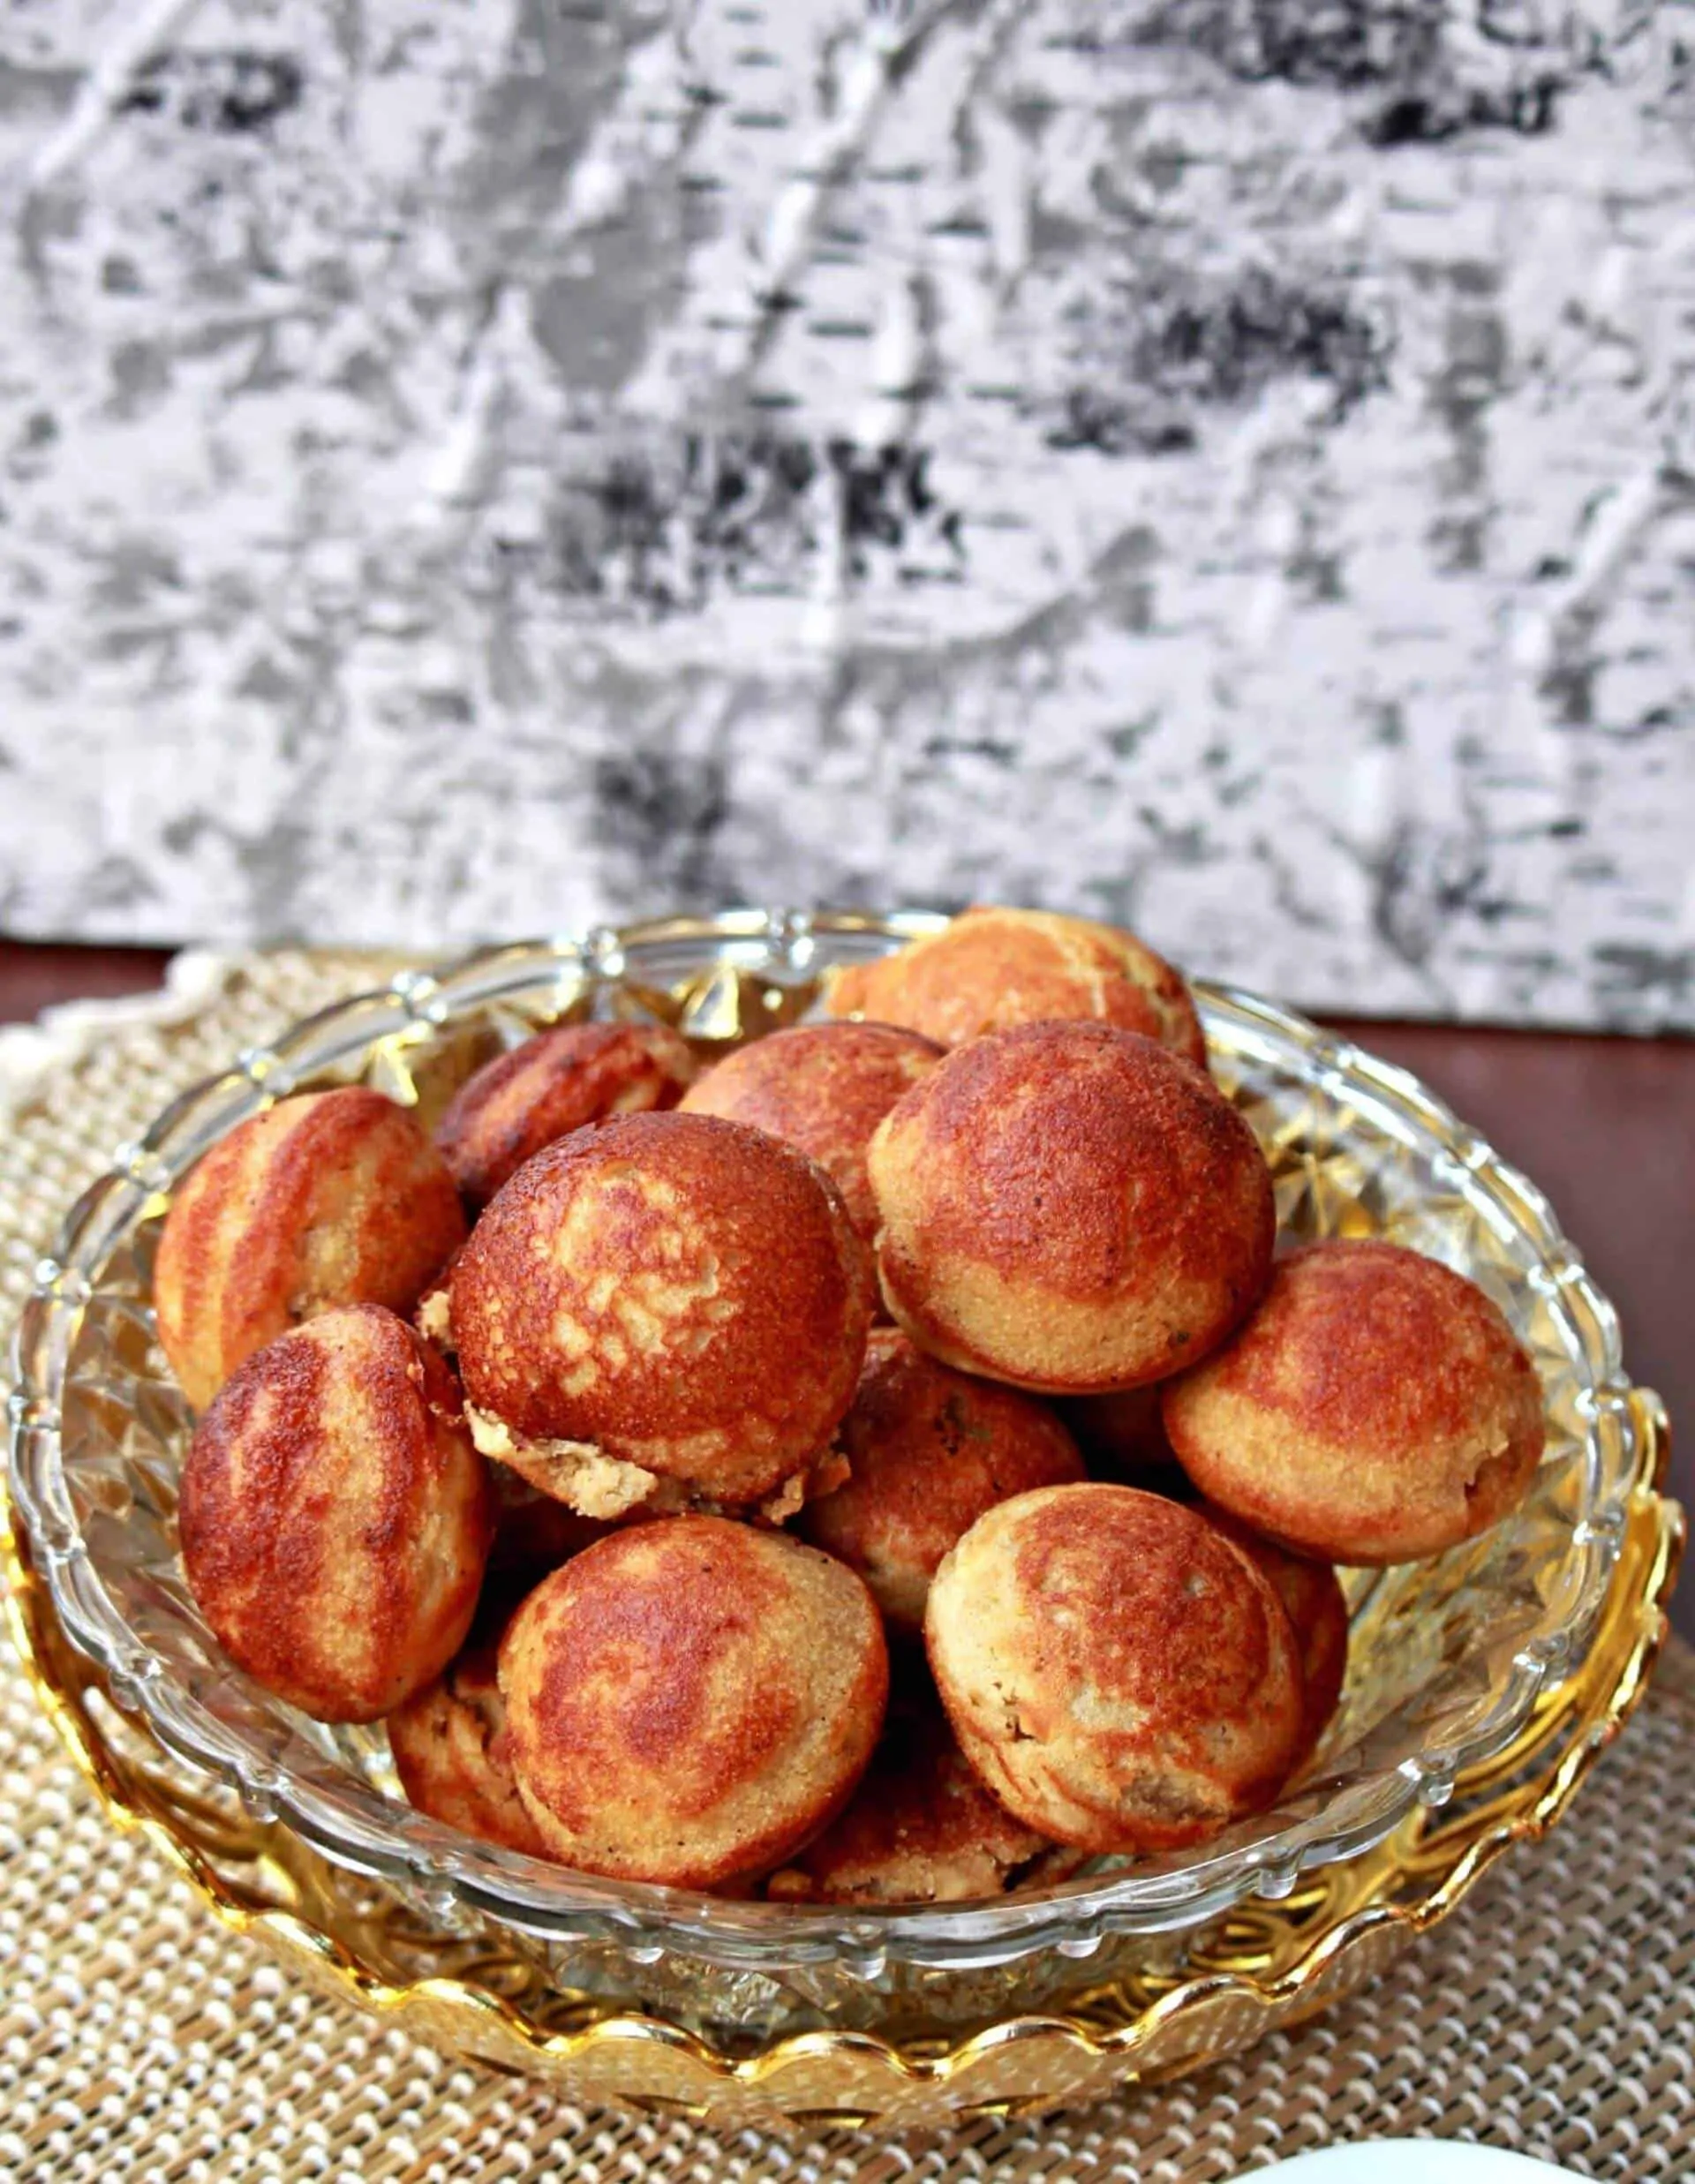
<point>1605,1125</point>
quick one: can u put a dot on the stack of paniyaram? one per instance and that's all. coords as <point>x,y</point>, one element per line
<point>895,1346</point>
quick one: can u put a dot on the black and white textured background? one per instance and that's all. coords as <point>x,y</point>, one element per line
<point>472,466</point>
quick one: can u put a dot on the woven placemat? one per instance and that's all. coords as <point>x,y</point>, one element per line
<point>1553,2013</point>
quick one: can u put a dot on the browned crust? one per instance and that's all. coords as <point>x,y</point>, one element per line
<point>1376,1408</point>
<point>1119,1675</point>
<point>335,1519</point>
<point>1070,1208</point>
<point>1317,1610</point>
<point>689,1701</point>
<point>994,967</point>
<point>533,1532</point>
<point>550,1085</point>
<point>929,1450</point>
<point>921,1828</point>
<point>1122,1436</point>
<point>823,1087</point>
<point>328,1198</point>
<point>450,1750</point>
<point>674,1292</point>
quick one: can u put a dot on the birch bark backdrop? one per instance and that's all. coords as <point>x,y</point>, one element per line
<point>1226,465</point>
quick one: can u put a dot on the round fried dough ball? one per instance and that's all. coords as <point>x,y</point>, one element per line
<point>334,1518</point>
<point>991,969</point>
<point>1317,1610</point>
<point>1122,1436</point>
<point>929,1450</point>
<point>451,1751</point>
<point>550,1085</point>
<point>534,1534</point>
<point>328,1198</point>
<point>1069,1208</point>
<point>1118,1674</point>
<point>1376,1408</point>
<point>921,1828</point>
<point>662,1298</point>
<point>688,1702</point>
<point>824,1087</point>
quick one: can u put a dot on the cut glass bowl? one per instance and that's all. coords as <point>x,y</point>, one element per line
<point>1450,1659</point>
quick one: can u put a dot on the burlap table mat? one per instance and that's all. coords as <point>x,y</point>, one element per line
<point>1555,2013</point>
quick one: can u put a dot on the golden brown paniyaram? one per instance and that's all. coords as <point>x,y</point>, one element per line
<point>1070,1208</point>
<point>550,1085</point>
<point>334,1518</point>
<point>663,1308</point>
<point>824,1087</point>
<point>328,1198</point>
<point>534,1534</point>
<point>1376,1408</point>
<point>1118,1673</point>
<point>450,1750</point>
<point>690,1701</point>
<point>928,1451</point>
<point>991,969</point>
<point>921,1828</point>
<point>1317,1610</point>
<point>1122,1436</point>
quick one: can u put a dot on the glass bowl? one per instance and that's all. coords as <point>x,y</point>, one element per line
<point>1462,1670</point>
